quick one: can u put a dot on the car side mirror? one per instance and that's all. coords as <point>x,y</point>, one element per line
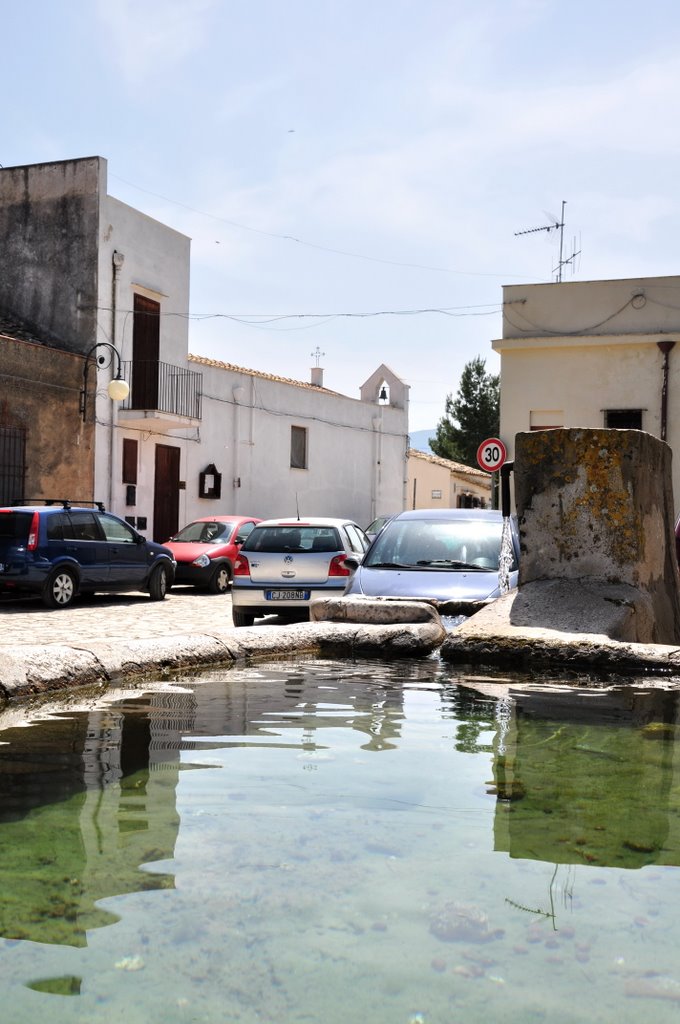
<point>352,562</point>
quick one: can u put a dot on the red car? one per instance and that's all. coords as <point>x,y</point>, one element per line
<point>205,550</point>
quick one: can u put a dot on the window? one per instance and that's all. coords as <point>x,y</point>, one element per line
<point>298,447</point>
<point>116,531</point>
<point>129,460</point>
<point>245,530</point>
<point>12,464</point>
<point>623,419</point>
<point>84,525</point>
<point>355,539</point>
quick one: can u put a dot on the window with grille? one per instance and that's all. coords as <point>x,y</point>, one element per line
<point>12,464</point>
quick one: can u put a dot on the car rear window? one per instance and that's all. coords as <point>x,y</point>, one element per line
<point>293,538</point>
<point>14,526</point>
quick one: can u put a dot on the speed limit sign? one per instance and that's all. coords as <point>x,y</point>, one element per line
<point>491,454</point>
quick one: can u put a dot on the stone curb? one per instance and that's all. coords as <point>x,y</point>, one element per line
<point>525,651</point>
<point>33,669</point>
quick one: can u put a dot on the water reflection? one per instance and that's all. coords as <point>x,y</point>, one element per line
<point>85,800</point>
<point>88,798</point>
<point>588,776</point>
<point>335,839</point>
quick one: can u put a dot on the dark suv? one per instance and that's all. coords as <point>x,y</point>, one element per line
<point>59,549</point>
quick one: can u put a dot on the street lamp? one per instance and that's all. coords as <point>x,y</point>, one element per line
<point>118,388</point>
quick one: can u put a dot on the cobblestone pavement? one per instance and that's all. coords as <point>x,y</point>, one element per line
<point>114,617</point>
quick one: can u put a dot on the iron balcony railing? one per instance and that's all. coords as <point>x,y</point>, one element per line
<point>163,387</point>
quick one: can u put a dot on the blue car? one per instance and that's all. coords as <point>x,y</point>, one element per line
<point>451,557</point>
<point>58,550</point>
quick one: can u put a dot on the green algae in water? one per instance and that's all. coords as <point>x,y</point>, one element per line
<point>342,854</point>
<point>67,985</point>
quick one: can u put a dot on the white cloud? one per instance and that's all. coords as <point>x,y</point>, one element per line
<point>151,37</point>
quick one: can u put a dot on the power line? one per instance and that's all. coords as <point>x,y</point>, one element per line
<point>264,319</point>
<point>314,245</point>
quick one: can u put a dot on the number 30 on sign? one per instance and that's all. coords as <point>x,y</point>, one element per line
<point>491,454</point>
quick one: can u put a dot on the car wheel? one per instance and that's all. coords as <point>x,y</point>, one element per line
<point>242,618</point>
<point>220,580</point>
<point>60,589</point>
<point>158,583</point>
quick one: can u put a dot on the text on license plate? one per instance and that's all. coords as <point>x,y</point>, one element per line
<point>287,595</point>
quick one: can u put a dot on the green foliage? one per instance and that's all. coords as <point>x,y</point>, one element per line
<point>471,417</point>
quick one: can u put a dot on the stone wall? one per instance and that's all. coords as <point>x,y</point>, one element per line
<point>598,505</point>
<point>40,393</point>
<point>49,225</point>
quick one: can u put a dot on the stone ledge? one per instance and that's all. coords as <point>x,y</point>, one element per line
<point>31,669</point>
<point>373,610</point>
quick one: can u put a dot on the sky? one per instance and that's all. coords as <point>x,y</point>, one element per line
<point>353,173</point>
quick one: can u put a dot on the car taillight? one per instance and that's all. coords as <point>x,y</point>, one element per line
<point>338,567</point>
<point>33,532</point>
<point>241,566</point>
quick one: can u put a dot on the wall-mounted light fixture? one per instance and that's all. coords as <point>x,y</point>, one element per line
<point>118,388</point>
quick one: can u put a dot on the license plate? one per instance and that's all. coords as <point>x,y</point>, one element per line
<point>286,595</point>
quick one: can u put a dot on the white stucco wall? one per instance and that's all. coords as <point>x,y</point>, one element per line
<point>154,261</point>
<point>356,450</point>
<point>602,355</point>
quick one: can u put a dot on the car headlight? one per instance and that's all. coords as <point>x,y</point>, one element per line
<point>202,561</point>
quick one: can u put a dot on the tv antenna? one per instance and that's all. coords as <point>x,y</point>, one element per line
<point>557,225</point>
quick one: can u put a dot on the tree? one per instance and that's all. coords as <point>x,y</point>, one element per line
<point>471,417</point>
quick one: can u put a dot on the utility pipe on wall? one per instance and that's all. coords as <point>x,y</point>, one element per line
<point>665,347</point>
<point>117,262</point>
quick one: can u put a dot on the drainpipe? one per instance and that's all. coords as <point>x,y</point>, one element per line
<point>665,347</point>
<point>117,262</point>
<point>238,391</point>
<point>376,497</point>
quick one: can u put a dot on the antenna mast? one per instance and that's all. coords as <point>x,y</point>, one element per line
<point>558,225</point>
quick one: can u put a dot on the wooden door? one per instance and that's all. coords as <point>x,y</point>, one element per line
<point>166,493</point>
<point>145,353</point>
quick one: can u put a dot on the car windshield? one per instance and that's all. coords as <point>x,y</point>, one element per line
<point>293,538</point>
<point>205,533</point>
<point>438,544</point>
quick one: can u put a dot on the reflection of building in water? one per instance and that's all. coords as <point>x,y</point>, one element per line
<point>587,776</point>
<point>301,697</point>
<point>84,801</point>
<point>88,797</point>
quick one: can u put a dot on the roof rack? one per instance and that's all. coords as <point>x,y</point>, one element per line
<point>64,502</point>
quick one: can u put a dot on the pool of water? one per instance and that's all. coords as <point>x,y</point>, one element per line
<point>322,841</point>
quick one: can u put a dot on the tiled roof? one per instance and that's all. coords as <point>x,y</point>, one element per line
<point>14,329</point>
<point>204,361</point>
<point>454,467</point>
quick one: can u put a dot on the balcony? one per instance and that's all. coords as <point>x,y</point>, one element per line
<point>161,395</point>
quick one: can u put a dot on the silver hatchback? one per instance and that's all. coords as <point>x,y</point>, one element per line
<point>285,563</point>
